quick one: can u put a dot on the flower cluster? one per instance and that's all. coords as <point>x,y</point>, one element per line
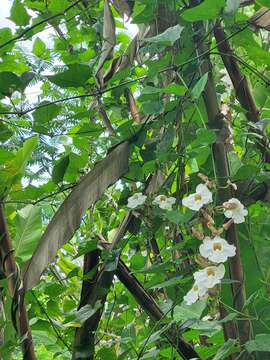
<point>162,201</point>
<point>215,250</point>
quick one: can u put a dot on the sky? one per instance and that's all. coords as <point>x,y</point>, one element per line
<point>33,91</point>
<point>46,36</point>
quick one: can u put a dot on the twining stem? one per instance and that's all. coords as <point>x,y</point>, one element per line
<point>215,121</point>
<point>241,86</point>
<point>10,269</point>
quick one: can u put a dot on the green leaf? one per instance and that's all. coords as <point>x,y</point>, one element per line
<point>86,129</point>
<point>173,281</point>
<point>172,88</point>
<point>77,318</point>
<point>137,261</point>
<point>204,137</point>
<point>143,12</point>
<point>206,327</point>
<point>168,37</point>
<point>26,78</point>
<point>152,107</point>
<point>106,353</point>
<point>199,87</point>
<point>175,89</point>
<point>5,35</point>
<point>40,49</point>
<point>177,218</point>
<point>23,155</point>
<point>207,10</point>
<point>57,6</point>
<point>9,82</point>
<point>54,289</point>
<point>43,115</point>
<point>75,76</point>
<point>246,172</point>
<point>260,343</point>
<point>18,14</point>
<point>86,247</point>
<point>186,312</point>
<point>226,349</point>
<point>5,132</point>
<point>28,231</point>
<point>59,169</point>
<point>5,155</point>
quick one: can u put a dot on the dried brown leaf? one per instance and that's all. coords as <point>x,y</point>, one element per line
<point>68,217</point>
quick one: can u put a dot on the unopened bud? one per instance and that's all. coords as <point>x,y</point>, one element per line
<point>203,262</point>
<point>197,234</point>
<point>227,225</point>
<point>231,184</point>
<point>229,205</point>
<point>209,183</point>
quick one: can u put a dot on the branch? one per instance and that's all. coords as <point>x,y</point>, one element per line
<point>84,336</point>
<point>215,121</point>
<point>105,119</point>
<point>104,280</point>
<point>241,86</point>
<point>149,305</point>
<point>14,39</point>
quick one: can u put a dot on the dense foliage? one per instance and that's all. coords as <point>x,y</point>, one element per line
<point>141,166</point>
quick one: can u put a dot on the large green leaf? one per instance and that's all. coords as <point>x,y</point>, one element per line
<point>5,35</point>
<point>59,169</point>
<point>229,347</point>
<point>204,137</point>
<point>9,82</point>
<point>40,49</point>
<point>75,76</point>
<point>18,14</point>
<point>207,10</point>
<point>199,87</point>
<point>260,343</point>
<point>43,115</point>
<point>28,227</point>
<point>189,312</point>
<point>5,132</point>
<point>168,37</point>
<point>23,155</point>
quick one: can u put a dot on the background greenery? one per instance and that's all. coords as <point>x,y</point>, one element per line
<point>101,83</point>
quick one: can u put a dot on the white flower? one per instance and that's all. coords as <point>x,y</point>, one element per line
<point>195,293</point>
<point>136,200</point>
<point>201,197</point>
<point>164,202</point>
<point>235,210</point>
<point>209,276</point>
<point>217,250</point>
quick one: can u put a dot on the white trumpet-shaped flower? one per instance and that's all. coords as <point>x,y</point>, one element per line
<point>217,249</point>
<point>164,202</point>
<point>210,276</point>
<point>194,294</point>
<point>136,200</point>
<point>235,210</point>
<point>201,197</point>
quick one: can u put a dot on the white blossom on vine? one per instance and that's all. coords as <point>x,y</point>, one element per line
<point>136,200</point>
<point>210,276</point>
<point>164,202</point>
<point>197,200</point>
<point>194,294</point>
<point>235,210</point>
<point>217,249</point>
